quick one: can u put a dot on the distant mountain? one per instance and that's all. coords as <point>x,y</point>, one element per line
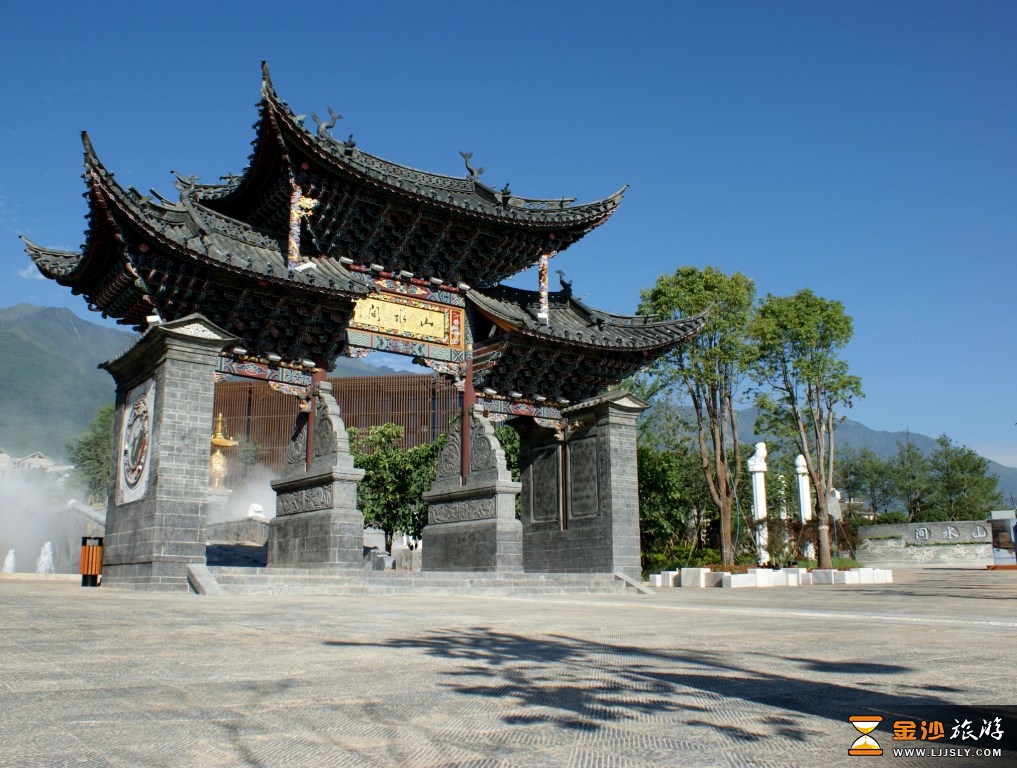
<point>348,366</point>
<point>856,435</point>
<point>50,385</point>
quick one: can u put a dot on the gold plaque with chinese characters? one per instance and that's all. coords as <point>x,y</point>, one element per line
<point>402,317</point>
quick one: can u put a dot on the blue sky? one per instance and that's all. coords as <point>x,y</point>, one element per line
<point>865,150</point>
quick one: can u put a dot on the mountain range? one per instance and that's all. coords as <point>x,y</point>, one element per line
<point>50,387</point>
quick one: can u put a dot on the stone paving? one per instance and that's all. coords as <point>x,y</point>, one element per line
<point>755,678</point>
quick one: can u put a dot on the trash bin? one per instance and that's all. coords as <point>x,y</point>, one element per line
<point>91,560</point>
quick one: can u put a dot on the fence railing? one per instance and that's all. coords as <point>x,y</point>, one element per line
<point>262,419</point>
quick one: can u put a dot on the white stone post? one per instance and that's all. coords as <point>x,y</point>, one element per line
<point>805,502</point>
<point>757,467</point>
<point>804,489</point>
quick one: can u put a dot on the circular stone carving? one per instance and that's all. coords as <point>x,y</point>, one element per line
<point>136,439</point>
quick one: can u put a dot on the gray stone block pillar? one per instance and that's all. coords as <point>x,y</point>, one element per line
<point>157,512</point>
<point>580,496</point>
<point>317,523</point>
<point>472,526</point>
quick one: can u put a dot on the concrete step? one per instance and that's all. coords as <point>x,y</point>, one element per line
<point>233,580</point>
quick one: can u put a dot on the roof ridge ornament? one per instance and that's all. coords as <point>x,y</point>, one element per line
<point>324,126</point>
<point>566,285</point>
<point>184,183</point>
<point>266,80</point>
<point>473,173</point>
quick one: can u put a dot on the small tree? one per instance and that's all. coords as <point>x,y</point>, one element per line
<point>799,339</point>
<point>673,500</point>
<point>877,480</point>
<point>911,478</point>
<point>92,454</point>
<point>708,370</point>
<point>395,479</point>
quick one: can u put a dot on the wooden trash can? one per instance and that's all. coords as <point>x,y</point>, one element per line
<point>91,560</point>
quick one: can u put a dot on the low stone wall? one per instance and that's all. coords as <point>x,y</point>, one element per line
<point>700,578</point>
<point>903,545</point>
<point>899,553</point>
<point>924,534</point>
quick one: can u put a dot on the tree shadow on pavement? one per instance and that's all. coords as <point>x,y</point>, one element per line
<point>577,683</point>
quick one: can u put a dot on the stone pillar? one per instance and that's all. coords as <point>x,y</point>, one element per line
<point>471,525</point>
<point>805,502</point>
<point>157,512</point>
<point>580,499</point>
<point>757,467</point>
<point>804,489</point>
<point>317,523</point>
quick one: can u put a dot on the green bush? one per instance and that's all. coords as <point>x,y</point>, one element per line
<point>838,562</point>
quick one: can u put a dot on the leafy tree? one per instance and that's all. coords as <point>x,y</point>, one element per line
<point>799,339</point>
<point>961,488</point>
<point>390,493</point>
<point>676,512</point>
<point>877,481</point>
<point>661,524</point>
<point>709,371</point>
<point>850,476</point>
<point>92,454</point>
<point>673,498</point>
<point>911,478</point>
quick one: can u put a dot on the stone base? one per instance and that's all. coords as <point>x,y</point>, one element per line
<point>326,538</point>
<point>159,576</point>
<point>493,544</point>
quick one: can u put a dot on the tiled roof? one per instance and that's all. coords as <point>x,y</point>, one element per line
<point>572,321</point>
<point>372,210</point>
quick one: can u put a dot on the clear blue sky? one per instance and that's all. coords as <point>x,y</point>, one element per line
<point>866,150</point>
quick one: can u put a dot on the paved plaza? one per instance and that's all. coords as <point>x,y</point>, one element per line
<point>768,677</point>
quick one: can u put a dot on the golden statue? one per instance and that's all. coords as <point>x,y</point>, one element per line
<point>217,464</point>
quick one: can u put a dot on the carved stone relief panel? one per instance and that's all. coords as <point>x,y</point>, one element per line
<point>450,460</point>
<point>296,452</point>
<point>545,484</point>
<point>324,435</point>
<point>460,510</point>
<point>305,500</point>
<point>483,446</point>
<point>584,489</point>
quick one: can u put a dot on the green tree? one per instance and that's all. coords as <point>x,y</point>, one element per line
<point>676,513</point>
<point>390,493</point>
<point>799,339</point>
<point>92,454</point>
<point>850,479</point>
<point>709,371</point>
<point>960,487</point>
<point>877,481</point>
<point>911,478</point>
